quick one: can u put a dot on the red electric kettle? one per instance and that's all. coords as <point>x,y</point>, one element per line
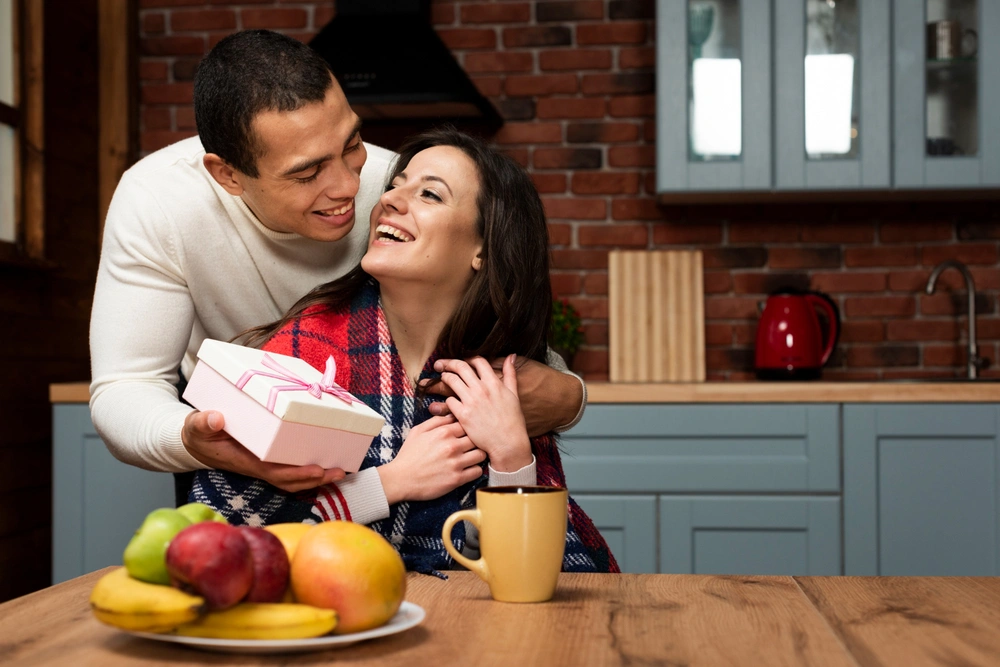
<point>793,343</point>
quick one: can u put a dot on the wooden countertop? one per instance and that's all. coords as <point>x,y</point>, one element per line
<point>594,619</point>
<point>733,392</point>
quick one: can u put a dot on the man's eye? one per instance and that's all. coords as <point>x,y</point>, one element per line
<point>308,179</point>
<point>353,147</point>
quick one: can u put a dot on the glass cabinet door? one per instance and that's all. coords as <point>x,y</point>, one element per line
<point>832,90</point>
<point>947,93</point>
<point>713,95</point>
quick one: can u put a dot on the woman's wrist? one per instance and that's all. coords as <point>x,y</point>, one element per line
<point>390,485</point>
<point>513,458</point>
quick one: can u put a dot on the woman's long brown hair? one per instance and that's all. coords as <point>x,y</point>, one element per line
<point>508,304</point>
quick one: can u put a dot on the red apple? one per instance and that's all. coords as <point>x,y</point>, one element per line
<point>270,565</point>
<point>212,560</point>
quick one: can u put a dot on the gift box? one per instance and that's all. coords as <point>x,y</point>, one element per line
<point>281,408</point>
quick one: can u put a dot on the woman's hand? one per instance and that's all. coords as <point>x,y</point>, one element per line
<point>436,457</point>
<point>205,440</point>
<point>488,409</point>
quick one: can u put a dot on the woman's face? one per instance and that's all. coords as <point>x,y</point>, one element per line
<point>423,228</point>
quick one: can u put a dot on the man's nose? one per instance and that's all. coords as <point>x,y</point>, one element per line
<point>343,182</point>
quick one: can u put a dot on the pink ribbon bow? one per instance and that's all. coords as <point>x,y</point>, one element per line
<point>325,386</point>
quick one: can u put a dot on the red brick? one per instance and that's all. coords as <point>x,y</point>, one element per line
<point>323,15</point>
<point>153,23</point>
<point>549,183</point>
<point>442,13</point>
<point>628,83</point>
<point>624,236</point>
<point>918,330</point>
<point>185,68</point>
<point>842,282</point>
<point>729,358</point>
<point>496,13</point>
<point>880,256</point>
<point>152,71</point>
<point>202,20</point>
<point>595,283</point>
<point>151,141</point>
<point>240,2</point>
<point>519,155</point>
<point>184,118</point>
<point>633,58</point>
<point>734,257</point>
<point>216,37</point>
<point>575,10</point>
<point>172,46</point>
<point>776,232</point>
<point>611,33</point>
<point>155,118</point>
<point>887,306</point>
<point>529,133</point>
<point>631,9</point>
<point>490,86</point>
<point>730,308</point>
<point>565,284</point>
<point>756,282</point>
<point>605,183</point>
<point>840,232</point>
<point>833,374</point>
<point>862,331</point>
<point>804,257</point>
<point>975,230</point>
<point>715,282</point>
<point>595,334</point>
<point>914,232</point>
<point>274,19</point>
<point>516,108</point>
<point>498,61</point>
<point>944,355</point>
<point>632,156</point>
<point>468,38</point>
<point>167,93</point>
<point>955,303</point>
<point>882,355</point>
<point>987,328</point>
<point>636,209</point>
<point>580,259</point>
<point>604,133</point>
<point>144,4</point>
<point>593,363</point>
<point>745,333</point>
<point>916,281</point>
<point>682,233</point>
<point>529,85</point>
<point>570,107</point>
<point>560,234</point>
<point>633,106</point>
<point>649,130</point>
<point>575,208</point>
<point>986,278</point>
<point>537,36</point>
<point>968,253</point>
<point>567,158</point>
<point>718,334</point>
<point>590,308</point>
<point>576,60</point>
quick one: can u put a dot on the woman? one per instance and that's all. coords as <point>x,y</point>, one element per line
<point>457,267</point>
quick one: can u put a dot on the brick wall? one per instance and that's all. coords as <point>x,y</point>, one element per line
<point>574,81</point>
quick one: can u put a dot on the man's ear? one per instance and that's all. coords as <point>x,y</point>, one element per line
<point>477,261</point>
<point>223,174</point>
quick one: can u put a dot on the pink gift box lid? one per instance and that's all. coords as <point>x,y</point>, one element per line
<point>231,361</point>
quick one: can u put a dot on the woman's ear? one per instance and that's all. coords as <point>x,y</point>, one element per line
<point>223,174</point>
<point>477,261</point>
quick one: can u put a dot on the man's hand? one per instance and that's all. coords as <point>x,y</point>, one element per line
<point>549,398</point>
<point>205,440</point>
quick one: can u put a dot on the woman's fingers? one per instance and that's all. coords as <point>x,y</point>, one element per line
<point>510,374</point>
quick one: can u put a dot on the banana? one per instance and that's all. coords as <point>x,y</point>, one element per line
<point>130,604</point>
<point>263,620</point>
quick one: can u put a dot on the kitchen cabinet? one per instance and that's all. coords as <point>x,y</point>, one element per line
<point>922,489</point>
<point>628,524</point>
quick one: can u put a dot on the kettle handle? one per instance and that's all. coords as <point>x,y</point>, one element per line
<point>828,306</point>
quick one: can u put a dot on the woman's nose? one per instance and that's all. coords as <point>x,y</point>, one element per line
<point>393,198</point>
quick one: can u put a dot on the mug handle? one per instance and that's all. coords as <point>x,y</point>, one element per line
<point>973,47</point>
<point>472,516</point>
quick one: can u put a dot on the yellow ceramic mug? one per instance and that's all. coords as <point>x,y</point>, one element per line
<point>522,535</point>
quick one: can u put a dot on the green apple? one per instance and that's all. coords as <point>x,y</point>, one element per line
<point>146,553</point>
<point>198,512</point>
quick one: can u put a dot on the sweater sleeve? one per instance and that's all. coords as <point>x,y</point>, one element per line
<point>139,329</point>
<point>556,362</point>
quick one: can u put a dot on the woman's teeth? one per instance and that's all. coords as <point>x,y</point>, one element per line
<point>387,232</point>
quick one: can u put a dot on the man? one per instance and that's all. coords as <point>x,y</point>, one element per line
<point>225,231</point>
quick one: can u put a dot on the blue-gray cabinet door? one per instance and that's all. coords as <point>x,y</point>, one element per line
<point>921,492</point>
<point>628,524</point>
<point>750,535</point>
<point>975,79</point>
<point>871,161</point>
<point>97,501</point>
<point>677,169</point>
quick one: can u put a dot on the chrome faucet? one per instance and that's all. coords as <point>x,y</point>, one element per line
<point>975,362</point>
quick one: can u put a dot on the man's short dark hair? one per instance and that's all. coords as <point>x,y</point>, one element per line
<point>248,73</point>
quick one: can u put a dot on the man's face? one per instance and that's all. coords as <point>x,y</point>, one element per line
<point>309,169</point>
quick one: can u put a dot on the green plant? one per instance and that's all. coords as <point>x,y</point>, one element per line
<point>566,332</point>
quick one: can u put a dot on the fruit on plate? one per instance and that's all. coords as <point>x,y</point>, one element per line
<point>145,553</point>
<point>352,569</point>
<point>289,534</point>
<point>127,603</point>
<point>270,565</point>
<point>212,560</point>
<point>261,620</point>
<point>198,512</point>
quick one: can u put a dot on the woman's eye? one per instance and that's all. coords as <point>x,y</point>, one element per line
<point>430,194</point>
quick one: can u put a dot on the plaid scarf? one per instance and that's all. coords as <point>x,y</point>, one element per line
<point>369,367</point>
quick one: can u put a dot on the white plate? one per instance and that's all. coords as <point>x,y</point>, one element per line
<point>408,616</point>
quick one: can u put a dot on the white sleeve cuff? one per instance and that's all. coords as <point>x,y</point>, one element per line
<point>583,405</point>
<point>526,476</point>
<point>363,495</point>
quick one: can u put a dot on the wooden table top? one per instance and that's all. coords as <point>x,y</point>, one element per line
<point>595,619</point>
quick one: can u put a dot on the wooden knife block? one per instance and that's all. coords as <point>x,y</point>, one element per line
<point>656,316</point>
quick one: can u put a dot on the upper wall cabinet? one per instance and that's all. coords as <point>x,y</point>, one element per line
<point>790,96</point>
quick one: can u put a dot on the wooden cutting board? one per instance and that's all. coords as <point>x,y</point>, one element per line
<point>656,316</point>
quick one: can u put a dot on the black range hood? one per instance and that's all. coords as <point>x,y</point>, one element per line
<point>397,73</point>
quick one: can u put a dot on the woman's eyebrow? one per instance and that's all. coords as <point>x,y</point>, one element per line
<point>439,180</point>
